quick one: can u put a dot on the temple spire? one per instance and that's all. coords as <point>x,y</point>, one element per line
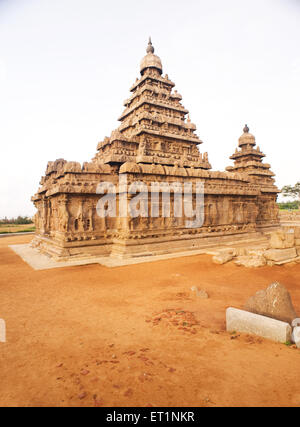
<point>246,129</point>
<point>150,48</point>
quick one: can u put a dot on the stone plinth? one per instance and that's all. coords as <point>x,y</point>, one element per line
<point>250,323</point>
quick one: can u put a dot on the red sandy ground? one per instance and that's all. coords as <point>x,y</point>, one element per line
<point>95,336</point>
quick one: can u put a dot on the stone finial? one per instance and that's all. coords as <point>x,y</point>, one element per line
<point>150,48</point>
<point>246,129</point>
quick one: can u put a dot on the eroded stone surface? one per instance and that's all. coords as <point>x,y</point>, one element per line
<point>273,302</point>
<point>282,239</point>
<point>251,261</point>
<point>223,257</point>
<point>279,255</point>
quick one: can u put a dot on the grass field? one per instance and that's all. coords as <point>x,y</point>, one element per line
<point>16,228</point>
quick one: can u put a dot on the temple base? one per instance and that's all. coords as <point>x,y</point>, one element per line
<point>146,247</point>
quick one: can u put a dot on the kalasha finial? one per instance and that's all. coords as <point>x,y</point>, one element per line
<point>246,129</point>
<point>150,48</point>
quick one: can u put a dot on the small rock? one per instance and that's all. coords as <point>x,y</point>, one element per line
<point>200,293</point>
<point>82,396</point>
<point>84,372</point>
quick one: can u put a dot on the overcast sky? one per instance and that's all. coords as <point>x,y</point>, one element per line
<point>66,67</point>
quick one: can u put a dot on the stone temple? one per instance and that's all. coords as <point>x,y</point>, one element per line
<point>155,143</point>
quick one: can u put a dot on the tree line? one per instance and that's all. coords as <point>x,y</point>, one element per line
<point>19,220</point>
<point>292,192</point>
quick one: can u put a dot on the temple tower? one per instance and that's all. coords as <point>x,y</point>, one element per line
<point>248,160</point>
<point>154,128</point>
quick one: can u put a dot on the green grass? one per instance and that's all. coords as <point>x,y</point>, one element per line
<point>9,229</point>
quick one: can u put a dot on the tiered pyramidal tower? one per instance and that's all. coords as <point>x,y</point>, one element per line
<point>154,128</point>
<point>248,160</point>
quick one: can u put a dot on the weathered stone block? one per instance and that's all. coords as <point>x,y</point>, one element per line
<point>297,232</point>
<point>282,239</point>
<point>222,258</point>
<point>278,255</point>
<point>265,327</point>
<point>251,261</point>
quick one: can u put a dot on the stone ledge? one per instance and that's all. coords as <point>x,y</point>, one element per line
<point>279,255</point>
<point>265,327</point>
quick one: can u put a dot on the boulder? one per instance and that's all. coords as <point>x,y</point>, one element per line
<point>273,302</point>
<point>279,255</point>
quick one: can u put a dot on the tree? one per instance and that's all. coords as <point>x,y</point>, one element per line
<point>289,191</point>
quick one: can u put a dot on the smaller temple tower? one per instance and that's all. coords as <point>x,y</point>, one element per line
<point>248,159</point>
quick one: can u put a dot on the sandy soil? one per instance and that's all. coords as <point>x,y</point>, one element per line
<point>136,336</point>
